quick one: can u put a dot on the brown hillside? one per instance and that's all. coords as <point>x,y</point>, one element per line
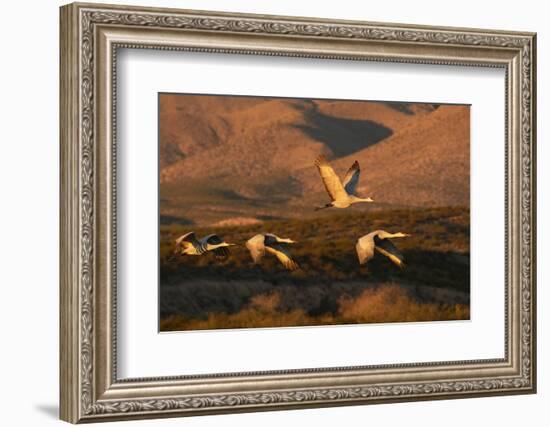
<point>253,157</point>
<point>426,163</point>
<point>208,136</point>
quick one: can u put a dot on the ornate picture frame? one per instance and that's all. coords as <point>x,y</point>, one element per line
<point>90,37</point>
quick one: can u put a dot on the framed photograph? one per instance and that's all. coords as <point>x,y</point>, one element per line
<point>265,212</point>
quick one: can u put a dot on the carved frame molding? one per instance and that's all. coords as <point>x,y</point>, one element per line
<point>90,37</point>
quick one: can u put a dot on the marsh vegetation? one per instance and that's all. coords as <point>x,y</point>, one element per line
<point>330,287</point>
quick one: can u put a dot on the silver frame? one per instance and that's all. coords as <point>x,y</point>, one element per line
<point>90,37</point>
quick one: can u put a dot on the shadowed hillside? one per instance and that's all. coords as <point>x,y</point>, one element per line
<point>426,163</point>
<point>341,135</point>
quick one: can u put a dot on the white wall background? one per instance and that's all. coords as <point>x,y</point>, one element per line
<point>29,170</point>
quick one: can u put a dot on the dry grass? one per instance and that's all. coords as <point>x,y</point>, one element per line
<point>391,303</point>
<point>331,287</point>
<point>261,312</point>
<point>388,303</point>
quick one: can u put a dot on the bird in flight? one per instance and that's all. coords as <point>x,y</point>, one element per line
<point>262,243</point>
<point>342,194</point>
<point>188,244</point>
<point>379,240</point>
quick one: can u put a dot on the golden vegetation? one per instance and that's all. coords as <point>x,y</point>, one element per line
<point>387,303</point>
<point>392,303</point>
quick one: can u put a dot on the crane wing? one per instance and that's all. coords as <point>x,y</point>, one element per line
<point>256,247</point>
<point>214,239</point>
<point>387,248</point>
<point>365,249</point>
<point>270,239</point>
<point>283,256</point>
<point>221,253</point>
<point>332,183</point>
<point>187,239</point>
<point>352,178</point>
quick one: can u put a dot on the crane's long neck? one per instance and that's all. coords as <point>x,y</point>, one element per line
<point>285,240</point>
<point>398,234</point>
<point>211,247</point>
<point>222,245</point>
<point>356,199</point>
